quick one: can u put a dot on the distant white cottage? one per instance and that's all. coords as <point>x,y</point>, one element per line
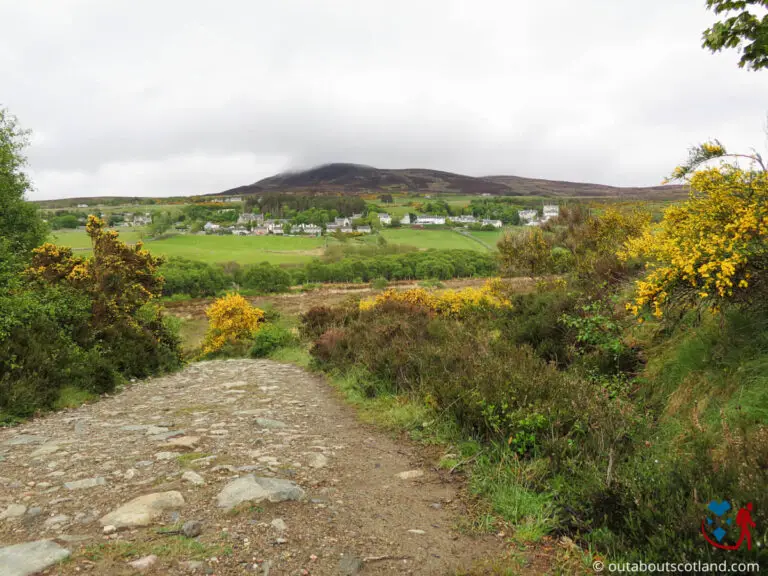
<point>428,220</point>
<point>551,211</point>
<point>211,227</point>
<point>466,219</point>
<point>494,223</point>
<point>406,219</point>
<point>385,219</point>
<point>528,216</point>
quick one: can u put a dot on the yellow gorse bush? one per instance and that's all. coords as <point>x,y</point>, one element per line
<point>710,249</point>
<point>231,320</point>
<point>452,303</point>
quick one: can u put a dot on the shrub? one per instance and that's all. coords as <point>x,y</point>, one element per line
<point>266,278</point>
<point>232,321</point>
<point>197,279</point>
<point>709,251</point>
<point>379,283</point>
<point>270,338</point>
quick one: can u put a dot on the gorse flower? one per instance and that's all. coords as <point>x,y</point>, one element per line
<point>710,249</point>
<point>231,319</point>
<point>452,303</point>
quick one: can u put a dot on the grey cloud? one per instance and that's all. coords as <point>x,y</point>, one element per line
<point>175,97</point>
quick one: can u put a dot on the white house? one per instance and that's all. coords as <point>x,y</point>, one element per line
<point>406,219</point>
<point>211,227</point>
<point>551,211</point>
<point>430,220</point>
<point>253,218</point>
<point>385,219</point>
<point>277,230</point>
<point>464,219</point>
<point>347,229</point>
<point>233,199</point>
<point>310,229</point>
<point>494,223</point>
<point>528,216</point>
<point>82,205</point>
<point>342,222</point>
<point>145,220</point>
<point>364,229</point>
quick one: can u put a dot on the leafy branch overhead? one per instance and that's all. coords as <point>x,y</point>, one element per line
<point>744,30</point>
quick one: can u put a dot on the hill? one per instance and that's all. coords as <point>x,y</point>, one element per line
<point>361,179</point>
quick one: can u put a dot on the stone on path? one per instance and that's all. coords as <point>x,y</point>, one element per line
<point>267,423</point>
<point>143,563</point>
<point>13,511</point>
<point>350,565</point>
<point>184,442</point>
<point>318,461</point>
<point>23,439</point>
<point>251,488</point>
<point>86,483</point>
<point>193,478</point>
<point>192,528</point>
<point>410,474</point>
<point>143,510</point>
<point>30,557</point>
<point>279,525</point>
<point>166,455</point>
<point>45,450</point>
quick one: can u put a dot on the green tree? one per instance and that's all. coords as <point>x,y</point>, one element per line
<point>743,29</point>
<point>21,227</point>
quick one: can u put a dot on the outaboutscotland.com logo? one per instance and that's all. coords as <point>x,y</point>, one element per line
<point>720,527</point>
<point>723,527</point>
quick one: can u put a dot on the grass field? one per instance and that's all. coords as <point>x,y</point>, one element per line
<point>441,239</point>
<point>277,249</point>
<point>242,249</point>
<point>79,239</point>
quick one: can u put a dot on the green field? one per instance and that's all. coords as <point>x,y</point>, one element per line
<point>440,239</point>
<point>278,249</point>
<point>242,249</point>
<point>78,239</point>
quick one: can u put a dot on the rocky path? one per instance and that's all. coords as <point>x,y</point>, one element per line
<point>228,467</point>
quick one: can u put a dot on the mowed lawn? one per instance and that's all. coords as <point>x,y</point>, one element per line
<point>440,239</point>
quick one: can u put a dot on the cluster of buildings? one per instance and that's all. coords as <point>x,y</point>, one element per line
<point>256,225</point>
<point>531,217</point>
<point>130,219</point>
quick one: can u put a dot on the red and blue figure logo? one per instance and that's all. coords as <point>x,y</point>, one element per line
<point>721,527</point>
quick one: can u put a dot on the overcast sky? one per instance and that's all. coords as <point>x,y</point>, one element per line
<point>186,97</point>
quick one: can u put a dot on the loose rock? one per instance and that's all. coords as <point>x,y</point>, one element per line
<point>30,557</point>
<point>143,563</point>
<point>143,510</point>
<point>318,461</point>
<point>192,528</point>
<point>13,511</point>
<point>193,478</point>
<point>86,483</point>
<point>267,423</point>
<point>251,488</point>
<point>410,474</point>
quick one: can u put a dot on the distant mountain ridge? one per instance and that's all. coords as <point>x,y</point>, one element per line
<point>362,179</point>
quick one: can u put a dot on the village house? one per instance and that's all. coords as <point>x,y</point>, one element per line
<point>551,211</point>
<point>211,227</point>
<point>428,220</point>
<point>332,227</point>
<point>385,219</point>
<point>252,218</point>
<point>364,229</point>
<point>406,219</point>
<point>310,229</point>
<point>494,223</point>
<point>145,220</point>
<point>347,230</point>
<point>82,205</point>
<point>342,222</point>
<point>467,219</point>
<point>528,217</point>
